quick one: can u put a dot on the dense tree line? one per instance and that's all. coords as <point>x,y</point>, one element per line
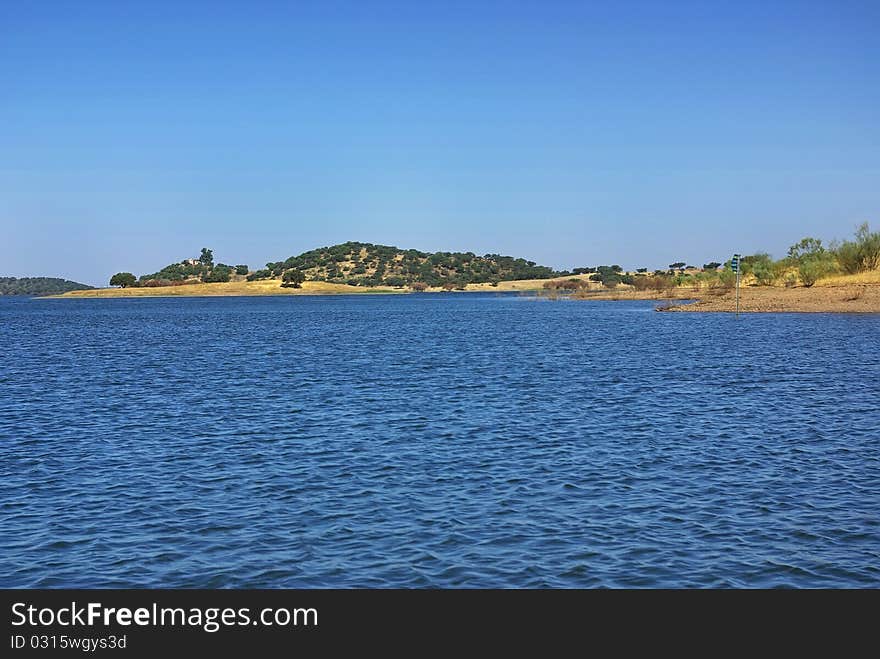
<point>201,269</point>
<point>38,286</point>
<point>366,264</point>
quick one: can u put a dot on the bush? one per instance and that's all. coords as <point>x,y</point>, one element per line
<point>727,279</point>
<point>813,261</point>
<point>419,286</point>
<point>811,270</point>
<point>754,262</point>
<point>768,272</point>
<point>860,254</point>
<point>848,257</point>
<point>641,283</point>
<point>662,282</point>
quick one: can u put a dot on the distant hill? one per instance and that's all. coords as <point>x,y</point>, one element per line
<point>365,264</point>
<point>39,286</point>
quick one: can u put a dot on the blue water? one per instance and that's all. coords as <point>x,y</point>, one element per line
<point>435,440</point>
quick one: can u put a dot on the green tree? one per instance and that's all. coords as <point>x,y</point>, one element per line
<point>123,279</point>
<point>220,273</point>
<point>293,278</point>
<point>207,257</point>
<point>241,269</point>
<point>806,248</point>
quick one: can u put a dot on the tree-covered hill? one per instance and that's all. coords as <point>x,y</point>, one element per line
<point>202,269</point>
<point>365,264</point>
<point>38,286</point>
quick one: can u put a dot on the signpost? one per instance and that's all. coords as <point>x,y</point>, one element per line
<point>734,265</point>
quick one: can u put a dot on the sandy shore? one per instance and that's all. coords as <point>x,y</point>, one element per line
<point>844,298</point>
<point>844,294</point>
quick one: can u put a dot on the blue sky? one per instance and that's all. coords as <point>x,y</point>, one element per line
<point>571,133</point>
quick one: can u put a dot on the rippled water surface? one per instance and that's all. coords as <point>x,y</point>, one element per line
<point>434,440</point>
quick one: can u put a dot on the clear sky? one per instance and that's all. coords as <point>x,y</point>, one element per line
<point>571,133</point>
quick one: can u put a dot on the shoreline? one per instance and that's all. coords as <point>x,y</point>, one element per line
<point>827,298</point>
<point>844,294</point>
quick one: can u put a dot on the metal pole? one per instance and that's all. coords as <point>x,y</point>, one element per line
<point>737,291</point>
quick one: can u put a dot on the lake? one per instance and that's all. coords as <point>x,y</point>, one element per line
<point>459,440</point>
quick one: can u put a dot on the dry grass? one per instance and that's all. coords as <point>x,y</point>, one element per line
<point>859,292</point>
<point>870,277</point>
<point>232,288</point>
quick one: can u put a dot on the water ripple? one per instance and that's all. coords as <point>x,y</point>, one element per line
<point>424,441</point>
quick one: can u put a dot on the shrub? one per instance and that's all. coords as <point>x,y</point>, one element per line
<point>767,272</point>
<point>662,282</point>
<point>754,262</point>
<point>860,254</point>
<point>848,257</point>
<point>813,261</point>
<point>419,286</point>
<point>811,270</point>
<point>727,279</point>
<point>642,283</point>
